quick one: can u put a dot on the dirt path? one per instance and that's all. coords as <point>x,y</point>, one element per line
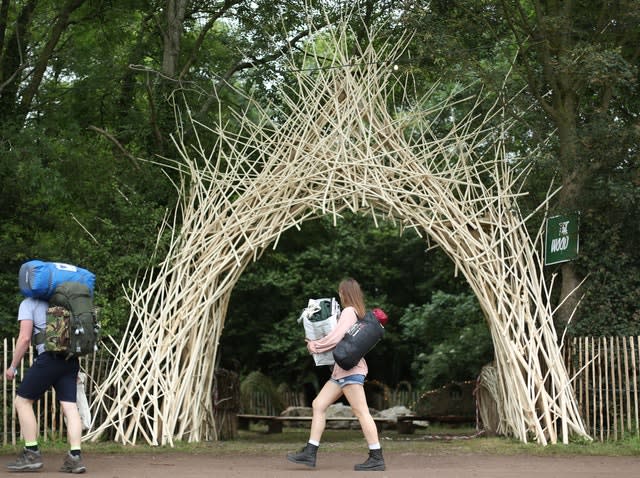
<point>399,464</point>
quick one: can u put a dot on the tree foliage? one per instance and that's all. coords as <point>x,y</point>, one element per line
<point>448,337</point>
<point>394,270</point>
<point>88,96</point>
<point>576,65</point>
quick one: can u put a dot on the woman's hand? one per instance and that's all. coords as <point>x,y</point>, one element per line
<point>311,347</point>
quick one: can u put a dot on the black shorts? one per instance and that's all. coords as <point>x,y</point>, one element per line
<point>48,371</point>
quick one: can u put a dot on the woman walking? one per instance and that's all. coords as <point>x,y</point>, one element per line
<point>349,383</point>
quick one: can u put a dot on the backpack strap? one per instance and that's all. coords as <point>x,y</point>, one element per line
<point>39,335</point>
<point>38,339</point>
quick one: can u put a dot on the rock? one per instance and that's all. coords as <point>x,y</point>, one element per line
<point>297,412</point>
<point>394,412</point>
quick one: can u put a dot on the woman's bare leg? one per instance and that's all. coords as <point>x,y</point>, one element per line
<point>358,401</point>
<point>329,393</point>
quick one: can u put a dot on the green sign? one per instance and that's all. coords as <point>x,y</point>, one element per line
<point>561,241</point>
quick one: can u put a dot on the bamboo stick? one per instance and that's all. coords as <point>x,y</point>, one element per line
<point>586,407</point>
<point>609,396</point>
<point>13,398</point>
<point>4,393</point>
<point>634,371</point>
<point>624,390</point>
<point>601,383</point>
<point>615,384</point>
<point>627,382</point>
<point>595,388</point>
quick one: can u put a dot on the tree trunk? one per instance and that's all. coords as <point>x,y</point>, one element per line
<point>573,175</point>
<point>172,36</point>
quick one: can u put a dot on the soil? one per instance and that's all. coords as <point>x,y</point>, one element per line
<point>336,464</point>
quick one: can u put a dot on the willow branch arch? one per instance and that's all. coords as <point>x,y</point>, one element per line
<point>342,144</point>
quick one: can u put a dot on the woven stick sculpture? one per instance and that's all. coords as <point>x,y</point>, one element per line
<point>341,143</point>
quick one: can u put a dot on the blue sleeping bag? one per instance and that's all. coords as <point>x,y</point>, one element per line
<point>39,279</point>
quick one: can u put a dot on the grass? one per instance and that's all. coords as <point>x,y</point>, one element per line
<point>430,441</point>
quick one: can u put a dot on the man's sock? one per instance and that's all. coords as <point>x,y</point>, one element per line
<point>75,452</point>
<point>32,445</point>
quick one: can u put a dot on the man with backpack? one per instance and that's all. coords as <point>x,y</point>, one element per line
<point>50,369</point>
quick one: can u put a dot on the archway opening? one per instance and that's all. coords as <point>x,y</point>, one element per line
<point>398,273</point>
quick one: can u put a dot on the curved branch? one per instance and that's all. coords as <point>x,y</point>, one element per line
<point>43,59</point>
<point>117,144</point>
<point>223,82</point>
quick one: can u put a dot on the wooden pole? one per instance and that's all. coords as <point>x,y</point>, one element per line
<point>615,386</point>
<point>624,386</point>
<point>4,394</point>
<point>634,374</point>
<point>586,407</point>
<point>601,385</point>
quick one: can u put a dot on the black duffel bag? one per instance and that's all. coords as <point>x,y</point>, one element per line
<point>358,340</point>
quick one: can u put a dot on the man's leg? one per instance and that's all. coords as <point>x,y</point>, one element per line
<point>66,388</point>
<point>74,424</point>
<point>30,458</point>
<point>27,419</point>
<point>73,460</point>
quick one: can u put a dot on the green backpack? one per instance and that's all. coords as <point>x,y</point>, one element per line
<point>72,326</point>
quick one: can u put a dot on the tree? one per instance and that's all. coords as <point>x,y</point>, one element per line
<point>576,118</point>
<point>449,339</point>
<point>580,61</point>
<point>87,98</point>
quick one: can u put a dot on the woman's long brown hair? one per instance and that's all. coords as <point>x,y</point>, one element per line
<point>351,295</point>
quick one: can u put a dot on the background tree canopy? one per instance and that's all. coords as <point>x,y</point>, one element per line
<point>88,92</point>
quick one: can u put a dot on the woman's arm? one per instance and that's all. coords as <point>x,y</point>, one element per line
<point>347,319</point>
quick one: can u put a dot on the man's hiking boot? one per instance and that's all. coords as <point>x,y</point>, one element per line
<point>73,464</point>
<point>306,456</point>
<point>375,462</point>
<point>28,460</point>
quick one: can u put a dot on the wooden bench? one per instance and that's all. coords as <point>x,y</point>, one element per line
<point>405,423</point>
<point>276,422</point>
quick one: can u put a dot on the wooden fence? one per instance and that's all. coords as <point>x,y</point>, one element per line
<point>605,369</point>
<point>49,415</point>
<point>606,384</point>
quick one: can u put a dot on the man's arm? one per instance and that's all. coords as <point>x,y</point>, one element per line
<point>22,345</point>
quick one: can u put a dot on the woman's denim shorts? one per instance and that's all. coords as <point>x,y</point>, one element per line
<point>356,379</point>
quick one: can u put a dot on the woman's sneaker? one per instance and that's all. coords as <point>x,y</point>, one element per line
<point>73,464</point>
<point>28,460</point>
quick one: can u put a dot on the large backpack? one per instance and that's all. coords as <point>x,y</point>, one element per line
<point>72,327</point>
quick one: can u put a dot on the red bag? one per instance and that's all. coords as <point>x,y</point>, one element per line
<point>381,316</point>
